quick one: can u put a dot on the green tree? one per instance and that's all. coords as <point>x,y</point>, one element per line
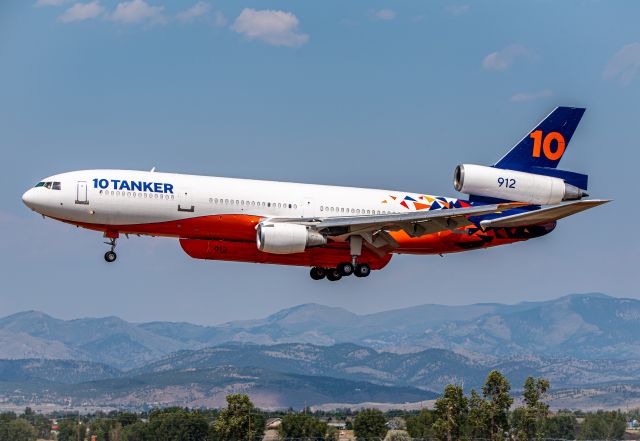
<point>5,420</point>
<point>71,430</point>
<point>451,411</point>
<point>370,424</point>
<point>127,418</point>
<point>603,425</point>
<point>496,391</point>
<point>20,430</point>
<point>102,429</point>
<point>529,422</point>
<point>420,426</point>
<point>136,432</point>
<point>302,426</point>
<point>240,420</point>
<point>177,425</point>
<point>561,426</point>
<point>479,420</point>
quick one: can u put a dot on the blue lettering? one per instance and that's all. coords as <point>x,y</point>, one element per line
<point>147,186</point>
<point>125,186</point>
<point>103,183</point>
<point>168,188</point>
<point>136,186</point>
<point>115,183</point>
<point>95,183</point>
<point>157,187</point>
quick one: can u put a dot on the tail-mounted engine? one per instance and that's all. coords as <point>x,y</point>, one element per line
<point>513,185</point>
<point>283,238</point>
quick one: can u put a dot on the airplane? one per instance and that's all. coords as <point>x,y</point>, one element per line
<point>336,231</point>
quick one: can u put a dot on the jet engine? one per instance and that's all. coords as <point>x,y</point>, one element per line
<point>513,185</point>
<point>287,238</point>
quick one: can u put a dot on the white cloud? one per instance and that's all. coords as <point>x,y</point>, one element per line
<point>136,11</point>
<point>382,14</point>
<point>196,11</point>
<point>624,65</point>
<point>51,2</point>
<point>501,60</point>
<point>81,12</point>
<point>524,96</point>
<point>277,28</point>
<point>458,9</point>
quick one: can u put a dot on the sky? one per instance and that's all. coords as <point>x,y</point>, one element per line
<point>362,93</point>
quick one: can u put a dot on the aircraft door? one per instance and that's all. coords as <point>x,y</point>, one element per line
<point>185,201</point>
<point>81,193</point>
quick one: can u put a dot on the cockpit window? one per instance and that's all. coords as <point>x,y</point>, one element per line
<point>40,184</point>
<point>56,186</point>
<point>47,185</point>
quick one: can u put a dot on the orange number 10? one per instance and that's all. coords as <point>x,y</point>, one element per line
<point>544,146</point>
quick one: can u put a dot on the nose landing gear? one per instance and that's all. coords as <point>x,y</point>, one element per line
<point>111,256</point>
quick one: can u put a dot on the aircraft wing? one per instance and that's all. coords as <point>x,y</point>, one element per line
<point>543,215</point>
<point>415,224</point>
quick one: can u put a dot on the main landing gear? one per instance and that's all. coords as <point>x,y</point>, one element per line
<point>343,270</point>
<point>111,256</point>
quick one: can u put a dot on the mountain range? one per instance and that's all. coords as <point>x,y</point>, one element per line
<point>588,326</point>
<point>304,352</point>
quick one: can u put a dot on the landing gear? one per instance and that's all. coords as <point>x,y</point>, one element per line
<point>317,273</point>
<point>345,269</point>
<point>362,270</point>
<point>111,256</point>
<point>333,274</point>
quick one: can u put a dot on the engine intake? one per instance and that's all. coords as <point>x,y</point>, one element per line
<point>287,238</point>
<point>513,185</point>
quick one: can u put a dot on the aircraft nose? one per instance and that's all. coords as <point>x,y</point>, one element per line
<point>28,198</point>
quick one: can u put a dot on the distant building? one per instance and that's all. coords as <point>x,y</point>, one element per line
<point>633,424</point>
<point>340,425</point>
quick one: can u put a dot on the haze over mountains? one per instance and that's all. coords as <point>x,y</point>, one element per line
<point>576,341</point>
<point>589,326</point>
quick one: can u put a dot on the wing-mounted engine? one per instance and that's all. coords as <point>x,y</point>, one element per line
<point>513,185</point>
<point>287,238</point>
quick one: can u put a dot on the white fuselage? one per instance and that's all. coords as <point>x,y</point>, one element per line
<point>125,197</point>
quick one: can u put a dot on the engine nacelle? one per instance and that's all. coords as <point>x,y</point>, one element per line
<point>287,238</point>
<point>513,185</point>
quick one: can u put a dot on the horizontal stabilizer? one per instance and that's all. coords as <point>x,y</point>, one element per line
<point>543,215</point>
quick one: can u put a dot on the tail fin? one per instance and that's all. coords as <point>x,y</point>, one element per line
<point>544,146</point>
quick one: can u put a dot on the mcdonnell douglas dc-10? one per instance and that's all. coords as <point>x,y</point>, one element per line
<point>337,231</point>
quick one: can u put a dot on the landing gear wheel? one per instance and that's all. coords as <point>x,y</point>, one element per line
<point>110,256</point>
<point>362,270</point>
<point>317,273</point>
<point>333,274</point>
<point>345,269</point>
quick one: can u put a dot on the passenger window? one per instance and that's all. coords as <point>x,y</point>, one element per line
<point>321,208</point>
<point>289,206</point>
